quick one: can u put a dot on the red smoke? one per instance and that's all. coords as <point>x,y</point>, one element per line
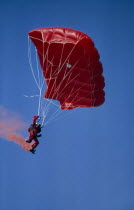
<point>11,127</point>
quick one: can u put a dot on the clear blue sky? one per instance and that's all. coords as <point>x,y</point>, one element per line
<point>84,161</point>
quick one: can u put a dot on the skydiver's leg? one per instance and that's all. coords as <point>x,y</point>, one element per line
<point>36,143</point>
<point>31,137</point>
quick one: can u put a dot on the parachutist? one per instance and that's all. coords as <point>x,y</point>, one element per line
<point>34,129</point>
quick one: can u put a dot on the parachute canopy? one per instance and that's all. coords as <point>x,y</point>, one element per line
<point>71,67</point>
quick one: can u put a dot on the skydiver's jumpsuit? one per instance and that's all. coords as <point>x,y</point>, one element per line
<point>33,133</point>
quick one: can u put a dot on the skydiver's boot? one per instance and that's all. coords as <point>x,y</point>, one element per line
<point>33,150</point>
<point>29,140</point>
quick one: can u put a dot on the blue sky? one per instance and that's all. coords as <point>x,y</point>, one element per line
<point>84,161</point>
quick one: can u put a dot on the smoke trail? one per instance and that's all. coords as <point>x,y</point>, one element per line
<point>11,127</point>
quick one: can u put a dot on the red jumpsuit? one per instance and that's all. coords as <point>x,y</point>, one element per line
<point>33,132</point>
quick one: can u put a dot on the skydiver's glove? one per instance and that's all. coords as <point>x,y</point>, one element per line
<point>36,117</point>
<point>38,135</point>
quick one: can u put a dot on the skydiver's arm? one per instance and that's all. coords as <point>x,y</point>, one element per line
<point>34,120</point>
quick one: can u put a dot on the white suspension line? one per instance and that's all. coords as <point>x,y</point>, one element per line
<point>30,62</point>
<point>44,105</point>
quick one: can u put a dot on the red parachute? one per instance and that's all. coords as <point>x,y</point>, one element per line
<point>71,67</point>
